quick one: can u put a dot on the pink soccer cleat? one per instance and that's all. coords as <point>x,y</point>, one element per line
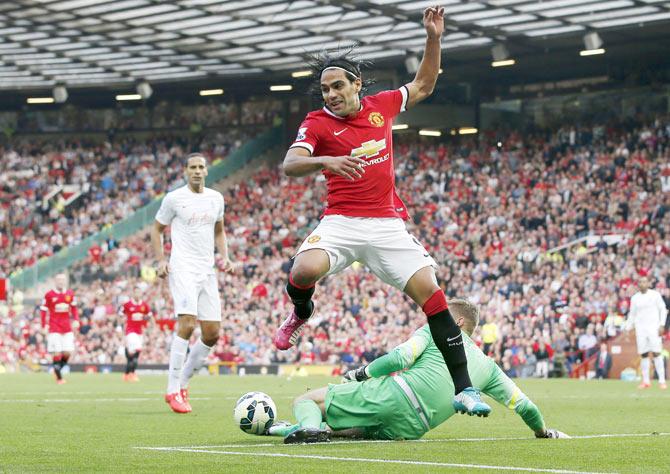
<point>643,386</point>
<point>663,386</point>
<point>184,395</point>
<point>177,403</point>
<point>289,331</point>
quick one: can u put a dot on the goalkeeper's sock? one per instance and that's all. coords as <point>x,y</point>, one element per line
<point>282,430</point>
<point>301,296</point>
<point>448,339</point>
<point>308,414</point>
<point>644,367</point>
<point>660,368</point>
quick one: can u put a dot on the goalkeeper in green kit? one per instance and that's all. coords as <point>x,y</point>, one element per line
<point>376,405</point>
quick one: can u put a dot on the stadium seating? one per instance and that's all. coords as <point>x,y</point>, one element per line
<point>546,233</point>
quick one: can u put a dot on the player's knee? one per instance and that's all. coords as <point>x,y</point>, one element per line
<point>305,275</point>
<point>309,267</point>
<point>305,396</point>
<point>210,339</point>
<point>300,398</point>
<point>186,326</point>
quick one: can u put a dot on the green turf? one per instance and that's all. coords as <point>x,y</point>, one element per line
<point>96,422</point>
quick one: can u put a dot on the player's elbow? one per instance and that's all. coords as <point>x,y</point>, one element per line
<point>287,168</point>
<point>424,88</point>
<point>290,168</point>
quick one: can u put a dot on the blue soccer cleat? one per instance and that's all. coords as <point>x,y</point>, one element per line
<point>469,401</point>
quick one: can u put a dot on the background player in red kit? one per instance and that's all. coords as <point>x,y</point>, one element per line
<point>59,304</point>
<point>137,313</point>
<point>350,141</point>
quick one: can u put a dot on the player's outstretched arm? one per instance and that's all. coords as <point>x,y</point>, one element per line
<point>401,357</point>
<point>299,162</point>
<point>501,388</point>
<point>426,76</point>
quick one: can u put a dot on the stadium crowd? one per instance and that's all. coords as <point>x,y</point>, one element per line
<point>162,115</point>
<point>54,196</point>
<point>546,231</point>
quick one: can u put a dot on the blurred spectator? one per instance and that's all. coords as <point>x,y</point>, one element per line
<point>603,362</point>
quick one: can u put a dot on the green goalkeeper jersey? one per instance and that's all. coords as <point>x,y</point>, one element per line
<point>428,377</point>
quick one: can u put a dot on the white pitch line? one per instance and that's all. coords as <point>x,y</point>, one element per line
<point>431,440</point>
<point>83,400</point>
<point>156,392</point>
<point>373,460</point>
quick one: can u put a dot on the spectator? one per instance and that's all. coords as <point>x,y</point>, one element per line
<point>603,362</point>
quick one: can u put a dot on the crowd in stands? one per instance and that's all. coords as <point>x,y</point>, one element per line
<point>55,195</point>
<point>217,112</point>
<point>547,232</point>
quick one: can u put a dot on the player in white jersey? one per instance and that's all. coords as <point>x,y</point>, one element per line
<point>195,215</point>
<point>648,314</point>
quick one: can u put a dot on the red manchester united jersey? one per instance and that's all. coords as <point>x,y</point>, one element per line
<point>59,306</point>
<point>367,136</point>
<point>136,314</point>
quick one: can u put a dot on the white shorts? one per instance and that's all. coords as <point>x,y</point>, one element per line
<point>648,341</point>
<point>196,294</point>
<point>382,244</point>
<point>57,342</point>
<point>133,342</point>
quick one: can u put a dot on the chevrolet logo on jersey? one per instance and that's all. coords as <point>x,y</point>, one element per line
<point>369,149</point>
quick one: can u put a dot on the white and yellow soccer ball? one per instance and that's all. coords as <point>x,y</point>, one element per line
<point>255,412</point>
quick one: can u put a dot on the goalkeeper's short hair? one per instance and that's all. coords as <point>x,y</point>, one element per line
<point>467,310</point>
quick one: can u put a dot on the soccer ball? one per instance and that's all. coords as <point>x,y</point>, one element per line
<point>255,412</point>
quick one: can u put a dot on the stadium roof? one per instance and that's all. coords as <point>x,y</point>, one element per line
<point>116,42</point>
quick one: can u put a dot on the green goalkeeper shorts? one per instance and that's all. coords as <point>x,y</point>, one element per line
<point>377,406</point>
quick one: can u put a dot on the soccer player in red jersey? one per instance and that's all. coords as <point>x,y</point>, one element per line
<point>59,304</point>
<point>137,313</point>
<point>350,141</point>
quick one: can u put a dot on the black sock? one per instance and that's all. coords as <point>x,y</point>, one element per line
<point>301,298</point>
<point>136,359</point>
<point>57,366</point>
<point>128,362</point>
<point>448,339</point>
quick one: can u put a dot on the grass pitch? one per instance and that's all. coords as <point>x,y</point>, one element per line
<point>97,423</point>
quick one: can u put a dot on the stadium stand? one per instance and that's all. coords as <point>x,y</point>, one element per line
<point>546,231</point>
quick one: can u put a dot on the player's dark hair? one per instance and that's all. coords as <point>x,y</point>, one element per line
<point>194,155</point>
<point>345,59</point>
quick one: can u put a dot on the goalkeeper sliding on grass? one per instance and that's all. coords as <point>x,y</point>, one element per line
<point>378,405</point>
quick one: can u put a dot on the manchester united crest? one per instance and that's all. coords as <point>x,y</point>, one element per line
<point>376,119</point>
<point>313,239</point>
